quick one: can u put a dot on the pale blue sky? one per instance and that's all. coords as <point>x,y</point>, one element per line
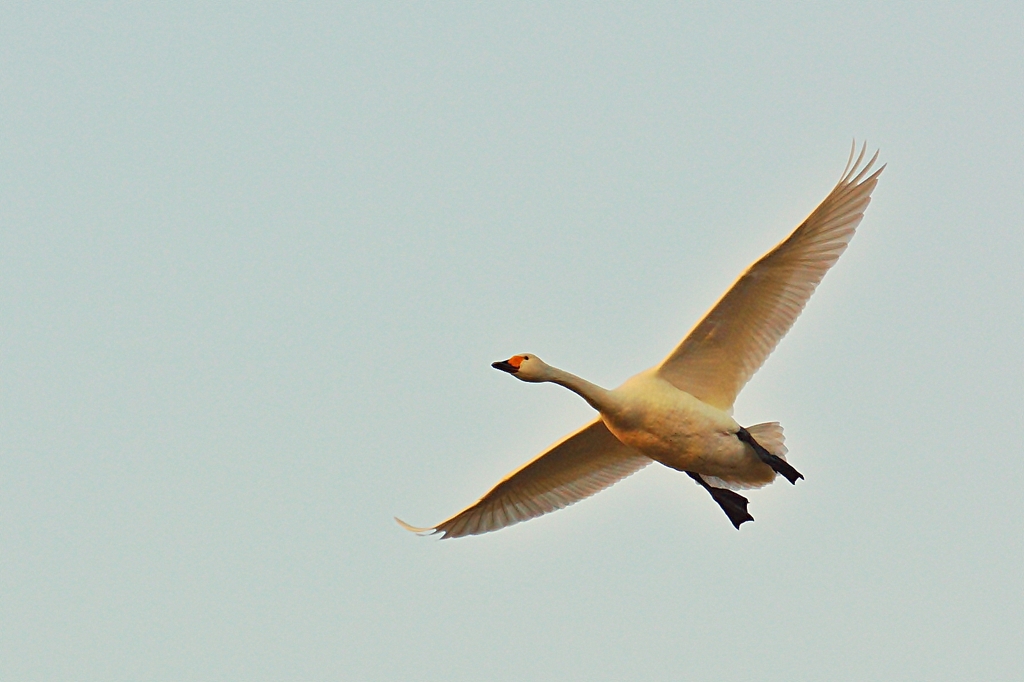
<point>255,260</point>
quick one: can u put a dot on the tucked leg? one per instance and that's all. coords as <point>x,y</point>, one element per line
<point>733,504</point>
<point>779,465</point>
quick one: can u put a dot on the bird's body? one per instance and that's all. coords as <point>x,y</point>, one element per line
<point>672,427</point>
<point>650,415</point>
<point>679,413</point>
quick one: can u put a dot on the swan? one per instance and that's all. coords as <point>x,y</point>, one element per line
<point>679,413</point>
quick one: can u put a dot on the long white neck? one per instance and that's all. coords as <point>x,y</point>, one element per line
<point>599,398</point>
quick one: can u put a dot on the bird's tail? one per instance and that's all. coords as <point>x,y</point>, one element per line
<point>769,435</point>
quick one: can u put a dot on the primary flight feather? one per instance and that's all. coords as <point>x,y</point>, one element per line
<point>679,413</point>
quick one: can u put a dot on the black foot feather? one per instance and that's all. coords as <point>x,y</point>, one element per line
<point>733,504</point>
<point>779,465</point>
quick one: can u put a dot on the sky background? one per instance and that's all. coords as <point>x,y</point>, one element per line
<point>256,259</point>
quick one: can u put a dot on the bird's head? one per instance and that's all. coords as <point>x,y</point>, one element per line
<point>525,367</point>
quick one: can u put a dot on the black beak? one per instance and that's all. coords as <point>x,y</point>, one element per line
<point>504,366</point>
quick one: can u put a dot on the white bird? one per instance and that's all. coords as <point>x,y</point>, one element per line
<point>679,413</point>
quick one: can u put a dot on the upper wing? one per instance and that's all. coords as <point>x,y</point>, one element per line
<point>586,462</point>
<point>733,340</point>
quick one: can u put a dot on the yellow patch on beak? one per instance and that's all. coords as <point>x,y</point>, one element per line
<point>516,360</point>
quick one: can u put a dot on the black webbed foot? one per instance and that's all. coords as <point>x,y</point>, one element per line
<point>779,465</point>
<point>733,504</point>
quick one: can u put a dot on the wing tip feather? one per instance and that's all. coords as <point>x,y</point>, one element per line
<point>414,529</point>
<point>854,174</point>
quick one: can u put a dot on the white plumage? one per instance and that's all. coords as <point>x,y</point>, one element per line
<point>679,412</point>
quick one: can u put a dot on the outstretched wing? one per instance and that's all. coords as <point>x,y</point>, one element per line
<point>733,340</point>
<point>586,462</point>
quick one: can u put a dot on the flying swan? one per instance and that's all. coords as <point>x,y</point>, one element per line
<point>679,412</point>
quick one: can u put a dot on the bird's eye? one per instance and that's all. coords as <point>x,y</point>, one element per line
<point>526,357</point>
